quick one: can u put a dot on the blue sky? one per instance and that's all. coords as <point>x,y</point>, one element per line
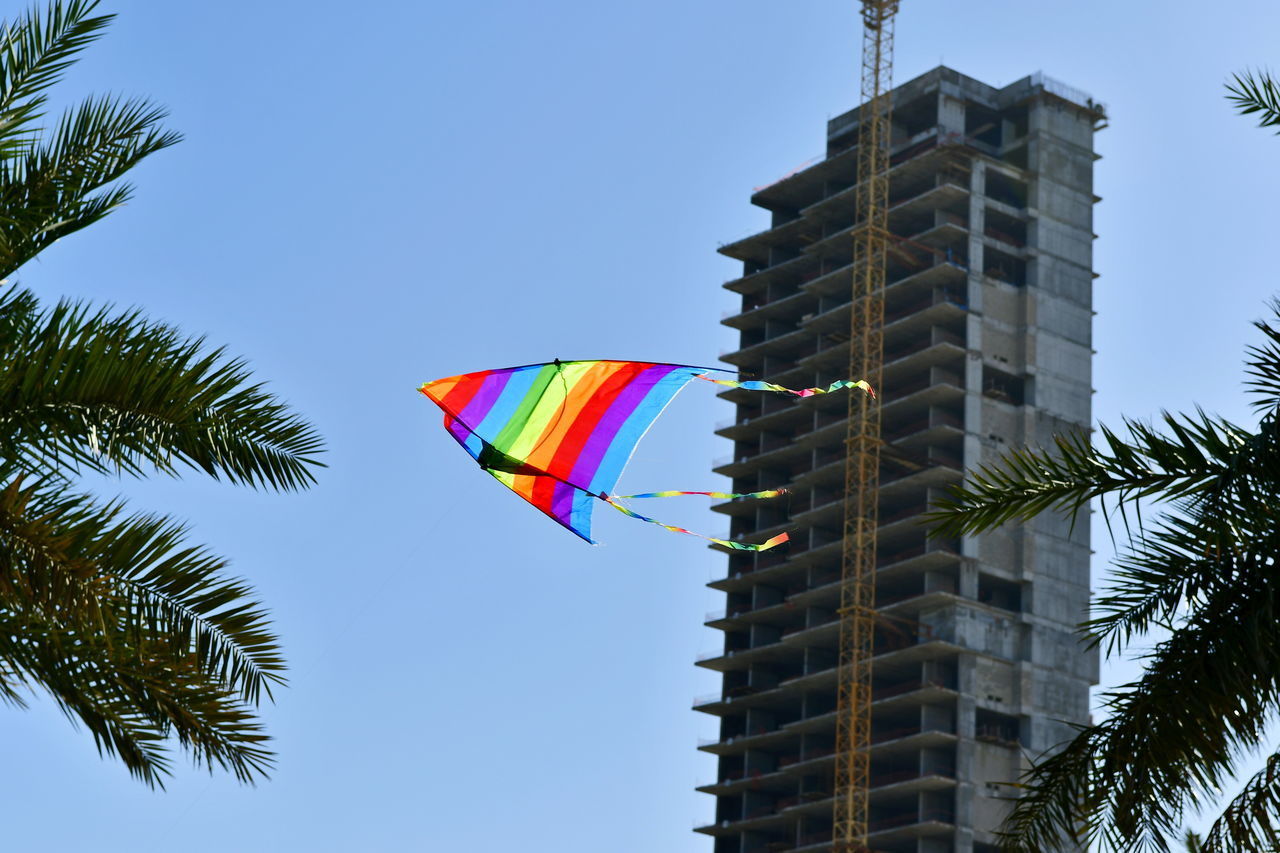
<point>375,195</point>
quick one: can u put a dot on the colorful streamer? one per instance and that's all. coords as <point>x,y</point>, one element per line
<point>736,546</point>
<point>756,385</point>
<point>724,496</point>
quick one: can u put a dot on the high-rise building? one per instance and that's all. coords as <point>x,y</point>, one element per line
<point>977,663</point>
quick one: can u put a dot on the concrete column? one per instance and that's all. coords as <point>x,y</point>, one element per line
<point>950,114</point>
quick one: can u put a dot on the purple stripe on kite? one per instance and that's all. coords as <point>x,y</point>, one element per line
<point>562,506</point>
<point>479,405</point>
<point>457,429</point>
<point>482,405</point>
<point>598,443</point>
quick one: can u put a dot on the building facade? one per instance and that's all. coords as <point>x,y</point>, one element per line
<point>987,332</point>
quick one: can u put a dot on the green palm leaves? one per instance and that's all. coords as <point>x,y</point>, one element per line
<point>1200,580</point>
<point>53,184</point>
<point>117,393</point>
<point>134,631</point>
<point>1257,95</point>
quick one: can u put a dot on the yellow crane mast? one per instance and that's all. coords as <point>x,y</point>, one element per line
<point>862,462</point>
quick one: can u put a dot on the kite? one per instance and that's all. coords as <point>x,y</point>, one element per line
<point>559,434</point>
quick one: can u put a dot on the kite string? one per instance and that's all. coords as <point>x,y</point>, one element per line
<point>736,546</point>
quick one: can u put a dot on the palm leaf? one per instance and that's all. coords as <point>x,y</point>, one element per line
<point>133,696</point>
<point>34,52</point>
<point>1256,94</point>
<point>117,393</point>
<point>64,558</point>
<point>1252,819</point>
<point>1195,457</point>
<point>1164,749</point>
<point>1263,365</point>
<point>59,186</point>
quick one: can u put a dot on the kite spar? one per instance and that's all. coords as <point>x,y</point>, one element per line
<point>559,434</point>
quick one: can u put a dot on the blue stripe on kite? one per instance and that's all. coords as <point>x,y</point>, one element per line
<point>519,382</point>
<point>580,517</point>
<point>634,428</point>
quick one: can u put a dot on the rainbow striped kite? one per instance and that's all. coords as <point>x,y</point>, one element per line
<point>559,434</point>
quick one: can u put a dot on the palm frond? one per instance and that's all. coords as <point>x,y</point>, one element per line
<point>34,52</point>
<point>1256,93</point>
<point>1057,799</point>
<point>1194,457</point>
<point>58,186</point>
<point>1251,821</point>
<point>133,696</point>
<point>169,589</point>
<point>118,393</point>
<point>1183,559</point>
<point>93,567</point>
<point>1262,365</point>
<point>19,311</point>
<point>44,567</point>
<point>1164,748</point>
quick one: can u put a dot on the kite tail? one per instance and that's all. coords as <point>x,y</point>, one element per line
<point>757,385</point>
<point>736,546</point>
<point>728,496</point>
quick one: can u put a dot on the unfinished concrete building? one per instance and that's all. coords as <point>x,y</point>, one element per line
<point>987,347</point>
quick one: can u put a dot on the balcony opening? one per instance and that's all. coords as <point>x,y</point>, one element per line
<point>782,254</point>
<point>818,660</point>
<point>982,124</point>
<point>997,728</point>
<point>954,173</point>
<point>1017,156</point>
<point>1017,122</point>
<point>943,672</point>
<point>938,761</point>
<point>938,718</point>
<point>910,186</point>
<point>740,563</point>
<point>1006,190</point>
<point>1005,387</point>
<point>728,809</point>
<point>783,215</point>
<point>914,117</point>
<point>731,727</point>
<point>998,592</point>
<point>1002,266</point>
<point>1007,229</point>
<point>955,213</point>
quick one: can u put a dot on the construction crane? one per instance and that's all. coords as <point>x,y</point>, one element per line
<point>862,461</point>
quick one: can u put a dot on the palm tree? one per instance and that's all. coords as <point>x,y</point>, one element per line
<point>134,631</point>
<point>1256,94</point>
<point>1200,580</point>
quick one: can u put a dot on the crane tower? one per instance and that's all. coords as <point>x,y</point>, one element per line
<point>862,463</point>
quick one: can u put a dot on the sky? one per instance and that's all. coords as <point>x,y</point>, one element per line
<point>374,195</point>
